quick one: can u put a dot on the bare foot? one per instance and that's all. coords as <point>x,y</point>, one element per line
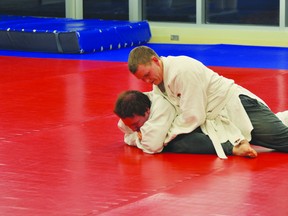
<point>244,149</point>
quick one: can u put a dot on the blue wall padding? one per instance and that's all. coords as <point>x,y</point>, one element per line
<point>64,35</point>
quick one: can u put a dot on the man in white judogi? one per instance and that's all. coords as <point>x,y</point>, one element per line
<point>209,103</point>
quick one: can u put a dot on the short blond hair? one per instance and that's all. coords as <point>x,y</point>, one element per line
<point>140,55</point>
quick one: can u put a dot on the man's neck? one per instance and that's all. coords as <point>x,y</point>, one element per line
<point>161,87</point>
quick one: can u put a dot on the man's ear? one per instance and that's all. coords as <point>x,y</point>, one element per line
<point>155,59</point>
<point>148,111</point>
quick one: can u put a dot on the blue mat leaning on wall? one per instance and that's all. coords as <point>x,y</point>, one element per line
<point>65,35</point>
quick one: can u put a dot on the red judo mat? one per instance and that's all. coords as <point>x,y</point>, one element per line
<point>61,153</point>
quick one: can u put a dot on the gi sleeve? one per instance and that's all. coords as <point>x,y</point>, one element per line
<point>156,128</point>
<point>189,89</point>
<point>130,137</point>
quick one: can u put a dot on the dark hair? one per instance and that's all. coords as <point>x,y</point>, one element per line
<point>140,55</point>
<point>130,103</point>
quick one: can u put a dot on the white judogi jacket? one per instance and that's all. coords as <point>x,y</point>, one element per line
<point>204,98</point>
<point>155,129</point>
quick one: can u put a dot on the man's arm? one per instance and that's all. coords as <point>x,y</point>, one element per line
<point>130,137</point>
<point>156,128</point>
<point>192,99</point>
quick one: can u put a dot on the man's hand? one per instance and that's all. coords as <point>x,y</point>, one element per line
<point>139,135</point>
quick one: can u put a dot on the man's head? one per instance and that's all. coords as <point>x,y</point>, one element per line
<point>133,107</point>
<point>146,65</point>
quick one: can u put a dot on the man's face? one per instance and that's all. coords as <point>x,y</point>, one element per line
<point>151,73</point>
<point>137,121</point>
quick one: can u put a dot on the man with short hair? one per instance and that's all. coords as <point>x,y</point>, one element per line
<point>209,103</point>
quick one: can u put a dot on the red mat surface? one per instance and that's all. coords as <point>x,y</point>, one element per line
<point>61,153</point>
